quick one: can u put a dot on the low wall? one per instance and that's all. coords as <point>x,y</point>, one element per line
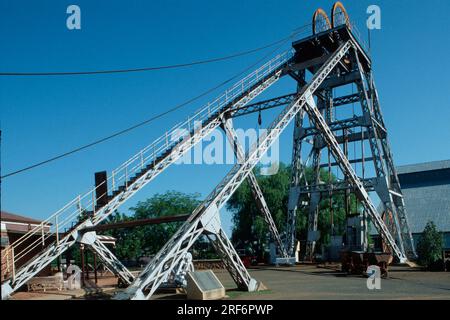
<point>207,264</point>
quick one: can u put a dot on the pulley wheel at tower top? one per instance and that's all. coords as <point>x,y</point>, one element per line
<point>320,22</point>
<point>339,15</point>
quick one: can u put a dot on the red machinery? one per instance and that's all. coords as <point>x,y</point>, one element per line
<point>357,262</point>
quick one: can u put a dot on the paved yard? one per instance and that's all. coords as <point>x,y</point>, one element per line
<point>311,282</point>
<point>299,282</point>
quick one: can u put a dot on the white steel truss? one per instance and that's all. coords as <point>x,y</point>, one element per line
<point>254,186</point>
<point>112,263</point>
<point>204,216</point>
<point>145,166</point>
<point>394,186</point>
<point>313,212</point>
<point>316,116</point>
<point>138,171</point>
<point>204,220</point>
<point>298,172</point>
<point>386,182</point>
<point>178,275</point>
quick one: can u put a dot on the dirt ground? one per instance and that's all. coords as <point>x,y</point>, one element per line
<point>104,289</point>
<point>302,282</point>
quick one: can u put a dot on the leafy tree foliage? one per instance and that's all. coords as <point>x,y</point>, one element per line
<point>429,246</point>
<point>250,230</point>
<point>129,242</point>
<point>148,239</point>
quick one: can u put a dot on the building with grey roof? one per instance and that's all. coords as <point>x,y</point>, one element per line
<point>426,190</point>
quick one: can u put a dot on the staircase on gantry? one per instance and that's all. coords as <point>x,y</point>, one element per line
<point>50,238</point>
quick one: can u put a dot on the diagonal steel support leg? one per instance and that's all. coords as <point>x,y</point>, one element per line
<point>325,103</point>
<point>313,212</point>
<point>298,174</point>
<point>227,125</point>
<point>158,157</point>
<point>162,265</point>
<point>229,256</point>
<point>113,264</point>
<point>399,202</point>
<point>346,167</point>
<point>233,262</point>
<point>376,126</point>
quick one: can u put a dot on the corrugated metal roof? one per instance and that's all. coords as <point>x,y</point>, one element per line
<point>426,166</point>
<point>427,197</point>
<point>428,203</point>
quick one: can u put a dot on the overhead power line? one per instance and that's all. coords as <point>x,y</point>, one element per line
<point>173,66</point>
<point>160,115</point>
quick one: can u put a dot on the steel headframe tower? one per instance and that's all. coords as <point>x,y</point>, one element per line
<point>349,103</point>
<point>333,58</point>
<point>70,225</point>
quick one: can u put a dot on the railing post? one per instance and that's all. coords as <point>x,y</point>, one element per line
<point>57,230</point>
<point>142,159</point>
<point>13,264</point>
<point>42,234</point>
<point>5,257</point>
<point>126,176</point>
<point>93,201</point>
<point>167,140</point>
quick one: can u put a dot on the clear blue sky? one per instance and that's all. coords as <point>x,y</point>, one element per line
<point>44,116</point>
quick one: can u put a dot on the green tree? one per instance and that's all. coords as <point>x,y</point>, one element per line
<point>429,246</point>
<point>129,240</point>
<point>250,230</point>
<point>168,204</point>
<point>148,239</point>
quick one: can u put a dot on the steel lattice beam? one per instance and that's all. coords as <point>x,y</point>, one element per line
<point>298,172</point>
<point>184,146</point>
<point>336,126</point>
<point>36,264</point>
<point>262,105</point>
<point>373,130</point>
<point>205,219</point>
<point>326,188</point>
<point>377,152</point>
<point>157,270</point>
<point>398,200</point>
<point>346,167</point>
<point>313,211</point>
<point>344,100</point>
<point>112,263</point>
<point>232,261</point>
<point>284,100</point>
<point>254,186</point>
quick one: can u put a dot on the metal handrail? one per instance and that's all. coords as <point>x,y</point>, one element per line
<point>65,217</point>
